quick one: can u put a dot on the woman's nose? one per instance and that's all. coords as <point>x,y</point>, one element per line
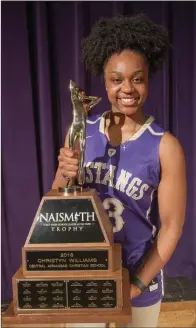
<point>127,87</point>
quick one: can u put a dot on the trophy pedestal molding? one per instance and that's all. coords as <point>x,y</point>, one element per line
<point>70,295</point>
<point>9,318</point>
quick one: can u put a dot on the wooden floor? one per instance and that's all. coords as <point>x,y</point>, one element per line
<point>179,314</point>
<point>174,314</point>
<point>184,319</point>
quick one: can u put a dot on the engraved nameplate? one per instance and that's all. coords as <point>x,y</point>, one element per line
<point>61,294</point>
<point>92,294</point>
<point>66,260</point>
<point>67,221</point>
<point>41,294</point>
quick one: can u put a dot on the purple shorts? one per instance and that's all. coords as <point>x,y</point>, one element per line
<point>152,295</point>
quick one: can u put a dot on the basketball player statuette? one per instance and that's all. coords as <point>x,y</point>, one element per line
<point>81,104</point>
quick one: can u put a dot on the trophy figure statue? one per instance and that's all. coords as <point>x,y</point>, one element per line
<point>71,269</point>
<point>81,104</point>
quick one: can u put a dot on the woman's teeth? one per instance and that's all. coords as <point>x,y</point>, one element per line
<point>127,101</point>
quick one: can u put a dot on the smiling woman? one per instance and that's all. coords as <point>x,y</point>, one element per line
<point>128,158</point>
<point>126,80</point>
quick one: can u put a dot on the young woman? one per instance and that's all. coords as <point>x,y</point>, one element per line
<point>133,163</point>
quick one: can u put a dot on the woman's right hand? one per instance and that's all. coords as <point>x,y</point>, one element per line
<point>68,163</point>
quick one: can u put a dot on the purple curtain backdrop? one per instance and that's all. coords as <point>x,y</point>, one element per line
<point>40,53</point>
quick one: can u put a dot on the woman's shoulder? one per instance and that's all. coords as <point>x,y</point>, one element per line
<point>170,145</point>
<point>172,158</point>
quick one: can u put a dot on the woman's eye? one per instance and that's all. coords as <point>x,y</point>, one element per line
<point>138,80</point>
<point>116,80</point>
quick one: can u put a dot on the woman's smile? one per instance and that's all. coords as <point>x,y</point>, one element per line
<point>128,101</point>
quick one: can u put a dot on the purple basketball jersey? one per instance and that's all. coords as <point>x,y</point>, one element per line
<point>126,178</point>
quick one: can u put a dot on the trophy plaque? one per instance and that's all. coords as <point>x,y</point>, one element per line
<point>71,268</point>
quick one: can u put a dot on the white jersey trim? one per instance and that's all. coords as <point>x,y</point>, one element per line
<point>149,208</point>
<point>102,122</point>
<point>162,283</point>
<point>136,135</point>
<point>142,129</point>
<point>155,133</point>
<point>93,122</point>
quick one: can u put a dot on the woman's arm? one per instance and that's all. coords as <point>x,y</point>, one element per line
<point>68,164</point>
<point>59,181</point>
<point>172,205</point>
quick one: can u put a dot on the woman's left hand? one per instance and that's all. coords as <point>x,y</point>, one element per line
<point>134,291</point>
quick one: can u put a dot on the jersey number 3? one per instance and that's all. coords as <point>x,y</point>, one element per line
<point>115,210</point>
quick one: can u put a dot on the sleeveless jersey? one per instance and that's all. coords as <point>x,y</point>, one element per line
<point>126,178</point>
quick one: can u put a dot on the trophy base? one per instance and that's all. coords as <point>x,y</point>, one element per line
<point>9,319</point>
<point>74,295</point>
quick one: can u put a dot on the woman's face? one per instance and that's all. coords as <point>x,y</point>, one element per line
<point>126,80</point>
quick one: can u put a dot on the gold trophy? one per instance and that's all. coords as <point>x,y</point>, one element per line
<point>81,104</point>
<point>71,268</point>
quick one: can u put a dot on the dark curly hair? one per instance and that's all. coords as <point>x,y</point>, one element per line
<point>113,35</point>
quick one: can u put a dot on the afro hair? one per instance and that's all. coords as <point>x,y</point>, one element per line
<point>113,35</point>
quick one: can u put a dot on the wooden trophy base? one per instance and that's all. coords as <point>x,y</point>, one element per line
<point>9,319</point>
<point>58,317</point>
<point>71,269</point>
<point>73,295</point>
